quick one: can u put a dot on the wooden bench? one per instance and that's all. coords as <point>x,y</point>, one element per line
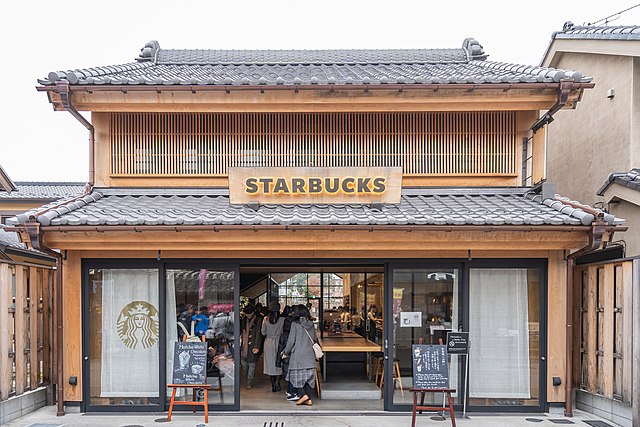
<point>421,407</point>
<point>193,402</point>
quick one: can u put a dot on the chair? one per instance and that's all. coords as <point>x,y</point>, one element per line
<point>397,377</point>
<point>214,372</point>
<point>318,391</point>
<point>377,367</point>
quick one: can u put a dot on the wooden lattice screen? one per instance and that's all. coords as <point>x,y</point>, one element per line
<point>423,143</point>
<point>26,331</point>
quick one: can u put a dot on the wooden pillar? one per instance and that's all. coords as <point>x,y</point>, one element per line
<point>47,356</point>
<point>608,331</point>
<point>634,357</point>
<point>556,335</point>
<point>539,154</point>
<point>20,332</point>
<point>592,331</point>
<point>35,280</point>
<point>72,309</point>
<point>6,273</point>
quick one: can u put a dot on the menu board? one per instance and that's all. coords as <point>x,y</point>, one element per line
<point>190,363</point>
<point>430,366</point>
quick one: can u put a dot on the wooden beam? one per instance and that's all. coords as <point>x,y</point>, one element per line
<point>334,101</point>
<point>6,273</point>
<point>20,329</point>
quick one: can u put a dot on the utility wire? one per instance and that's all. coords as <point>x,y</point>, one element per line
<point>617,16</point>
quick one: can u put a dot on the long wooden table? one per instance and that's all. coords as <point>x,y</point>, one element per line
<point>346,344</point>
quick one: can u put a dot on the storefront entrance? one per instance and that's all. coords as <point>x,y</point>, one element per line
<point>367,317</point>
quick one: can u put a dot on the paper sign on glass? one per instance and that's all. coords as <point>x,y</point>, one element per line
<point>410,319</point>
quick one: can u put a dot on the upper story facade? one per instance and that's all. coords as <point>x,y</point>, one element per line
<point>446,117</point>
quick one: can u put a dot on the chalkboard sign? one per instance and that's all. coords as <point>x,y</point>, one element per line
<point>458,342</point>
<point>190,363</point>
<point>430,366</point>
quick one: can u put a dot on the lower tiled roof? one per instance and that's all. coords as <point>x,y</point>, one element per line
<point>447,207</point>
<point>43,190</point>
<point>10,239</point>
<point>629,179</point>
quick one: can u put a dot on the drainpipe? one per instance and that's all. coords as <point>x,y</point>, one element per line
<point>598,229</point>
<point>65,98</point>
<point>33,229</point>
<point>563,96</point>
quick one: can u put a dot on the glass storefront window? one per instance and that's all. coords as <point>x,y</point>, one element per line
<point>433,295</point>
<point>124,325</point>
<point>504,332</point>
<point>201,301</point>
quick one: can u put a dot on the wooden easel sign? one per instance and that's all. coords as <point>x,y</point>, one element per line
<point>430,374</point>
<point>190,363</point>
<point>190,372</point>
<point>430,366</point>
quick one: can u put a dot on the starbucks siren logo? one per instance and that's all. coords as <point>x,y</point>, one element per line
<point>138,324</point>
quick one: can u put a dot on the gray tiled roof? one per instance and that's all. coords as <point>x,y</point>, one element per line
<point>10,239</point>
<point>621,32</point>
<point>418,207</point>
<point>157,66</point>
<point>629,179</point>
<point>43,190</point>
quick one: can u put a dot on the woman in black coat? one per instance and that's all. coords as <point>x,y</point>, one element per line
<point>292,394</point>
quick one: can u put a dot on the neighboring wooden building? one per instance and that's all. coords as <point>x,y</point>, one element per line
<point>405,166</point>
<point>600,143</point>
<point>26,302</point>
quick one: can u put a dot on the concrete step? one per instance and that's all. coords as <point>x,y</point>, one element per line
<point>356,390</point>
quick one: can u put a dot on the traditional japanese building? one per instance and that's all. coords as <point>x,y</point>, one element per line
<point>401,194</point>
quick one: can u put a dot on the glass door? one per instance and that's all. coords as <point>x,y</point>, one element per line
<point>203,302</point>
<point>505,321</point>
<point>423,305</point>
<point>122,338</point>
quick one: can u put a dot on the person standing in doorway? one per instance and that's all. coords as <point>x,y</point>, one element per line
<point>272,329</point>
<point>302,359</point>
<point>371,322</point>
<point>251,340</point>
<point>287,314</point>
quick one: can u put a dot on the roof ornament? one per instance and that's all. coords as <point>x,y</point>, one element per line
<point>567,26</point>
<point>149,51</point>
<point>474,49</point>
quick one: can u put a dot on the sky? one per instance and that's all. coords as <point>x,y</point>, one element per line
<point>36,37</point>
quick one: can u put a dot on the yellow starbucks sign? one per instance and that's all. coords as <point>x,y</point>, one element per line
<point>315,185</point>
<point>138,325</point>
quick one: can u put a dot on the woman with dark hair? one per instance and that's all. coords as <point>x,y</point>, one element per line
<point>302,359</point>
<point>272,329</point>
<point>287,314</point>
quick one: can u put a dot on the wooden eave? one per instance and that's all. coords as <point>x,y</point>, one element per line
<point>424,97</point>
<point>272,240</point>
